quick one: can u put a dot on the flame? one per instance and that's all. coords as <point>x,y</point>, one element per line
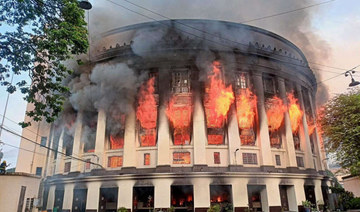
<point>275,113</point>
<point>246,108</point>
<point>180,118</point>
<point>218,100</point>
<point>295,112</point>
<point>116,141</point>
<point>146,111</point>
<point>215,139</point>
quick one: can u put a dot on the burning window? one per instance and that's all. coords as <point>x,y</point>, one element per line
<point>275,110</point>
<point>179,112</point>
<point>115,161</point>
<point>216,157</point>
<point>67,167</point>
<point>143,198</point>
<point>147,113</point>
<point>249,158</point>
<point>181,158</point>
<point>116,130</point>
<point>181,81</point>
<point>246,109</point>
<point>182,197</point>
<point>221,194</point>
<point>217,101</point>
<point>147,159</point>
<point>68,140</point>
<point>295,112</point>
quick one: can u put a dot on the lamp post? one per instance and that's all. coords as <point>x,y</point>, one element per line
<point>353,81</point>
<point>85,4</point>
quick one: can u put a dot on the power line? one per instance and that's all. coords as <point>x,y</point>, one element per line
<point>203,31</point>
<point>72,157</point>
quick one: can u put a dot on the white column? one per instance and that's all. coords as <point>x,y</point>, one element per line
<point>304,134</point>
<point>234,139</point>
<point>163,138</point>
<point>125,196</point>
<point>318,193</point>
<point>201,192</point>
<point>51,198</point>
<point>50,161</point>
<point>129,140</point>
<point>290,191</point>
<point>60,157</point>
<point>240,193</point>
<point>299,191</point>
<point>93,195</point>
<point>273,192</point>
<point>100,138</point>
<point>290,149</point>
<point>320,151</point>
<point>162,193</point>
<point>263,138</point>
<point>264,200</point>
<point>75,164</point>
<point>199,131</point>
<point>68,196</point>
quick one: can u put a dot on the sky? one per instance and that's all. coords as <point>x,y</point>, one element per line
<point>333,29</point>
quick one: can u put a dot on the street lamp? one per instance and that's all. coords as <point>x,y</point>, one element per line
<point>353,81</point>
<point>85,4</point>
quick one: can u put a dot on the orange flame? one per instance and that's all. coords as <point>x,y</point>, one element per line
<point>275,113</point>
<point>295,112</point>
<point>180,117</point>
<point>246,108</point>
<point>147,109</point>
<point>218,99</point>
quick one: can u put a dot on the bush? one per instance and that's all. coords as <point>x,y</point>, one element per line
<point>355,203</point>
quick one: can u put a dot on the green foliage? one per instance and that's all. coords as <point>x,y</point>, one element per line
<point>306,204</point>
<point>214,208</point>
<point>41,35</point>
<point>346,198</point>
<point>122,209</point>
<point>341,125</point>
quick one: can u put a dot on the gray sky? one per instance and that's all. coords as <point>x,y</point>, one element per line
<point>333,31</point>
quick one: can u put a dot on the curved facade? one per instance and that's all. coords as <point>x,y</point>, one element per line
<point>225,114</point>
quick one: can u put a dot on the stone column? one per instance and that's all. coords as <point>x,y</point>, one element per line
<point>299,191</point>
<point>201,192</point>
<point>263,136</point>
<point>68,196</point>
<point>51,198</point>
<point>199,131</point>
<point>50,166</point>
<point>290,191</point>
<point>240,193</point>
<point>162,193</point>
<point>234,139</point>
<point>129,157</point>
<point>76,152</point>
<point>125,196</point>
<point>163,138</point>
<point>59,162</point>
<point>304,134</point>
<point>273,194</point>
<point>100,138</point>
<point>320,153</point>
<point>318,193</point>
<point>93,196</point>
<point>290,149</point>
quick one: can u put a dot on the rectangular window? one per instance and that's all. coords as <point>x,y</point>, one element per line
<point>87,164</point>
<point>29,204</point>
<point>278,160</point>
<point>180,82</point>
<point>67,167</point>
<point>300,161</point>
<point>216,157</point>
<point>147,159</point>
<point>117,141</point>
<point>115,161</point>
<point>38,171</point>
<point>241,81</point>
<point>269,85</point>
<point>43,140</point>
<point>181,158</point>
<point>249,158</point>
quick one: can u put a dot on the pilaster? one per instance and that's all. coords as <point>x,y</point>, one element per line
<point>199,131</point>
<point>100,138</point>
<point>68,196</point>
<point>76,152</point>
<point>163,138</point>
<point>129,157</point>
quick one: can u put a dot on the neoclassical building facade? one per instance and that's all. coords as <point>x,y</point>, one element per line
<point>224,114</point>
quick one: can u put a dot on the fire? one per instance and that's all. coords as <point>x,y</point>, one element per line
<point>180,118</point>
<point>311,126</point>
<point>218,100</point>
<point>146,112</point>
<point>275,113</point>
<point>295,112</point>
<point>246,109</point>
<point>116,141</point>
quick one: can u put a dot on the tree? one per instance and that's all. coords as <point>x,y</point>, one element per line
<point>41,35</point>
<point>340,122</point>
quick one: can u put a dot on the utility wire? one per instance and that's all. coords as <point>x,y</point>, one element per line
<point>72,157</point>
<point>216,35</point>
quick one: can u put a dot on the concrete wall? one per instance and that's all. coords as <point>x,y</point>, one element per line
<point>10,188</point>
<point>352,184</point>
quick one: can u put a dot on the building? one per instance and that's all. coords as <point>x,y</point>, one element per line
<point>352,183</point>
<point>185,114</point>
